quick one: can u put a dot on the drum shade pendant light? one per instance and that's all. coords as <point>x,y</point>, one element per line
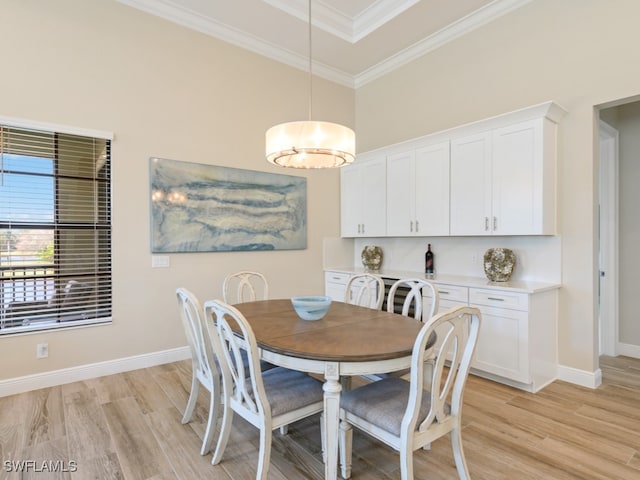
<point>310,143</point>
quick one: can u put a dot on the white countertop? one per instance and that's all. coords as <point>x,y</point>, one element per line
<point>460,280</point>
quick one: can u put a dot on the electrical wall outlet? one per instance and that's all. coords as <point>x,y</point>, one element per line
<point>42,350</point>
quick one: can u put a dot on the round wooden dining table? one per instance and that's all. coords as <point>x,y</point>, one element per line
<point>349,340</point>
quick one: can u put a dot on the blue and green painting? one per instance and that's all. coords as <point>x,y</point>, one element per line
<point>206,208</point>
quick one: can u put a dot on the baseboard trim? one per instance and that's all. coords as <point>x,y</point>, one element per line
<point>628,350</point>
<point>580,377</point>
<point>27,383</point>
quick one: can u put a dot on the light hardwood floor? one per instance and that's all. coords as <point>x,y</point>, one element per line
<point>127,426</point>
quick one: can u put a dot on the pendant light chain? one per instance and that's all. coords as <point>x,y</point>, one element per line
<point>310,68</point>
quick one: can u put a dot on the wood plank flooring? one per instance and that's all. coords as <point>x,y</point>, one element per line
<point>127,426</point>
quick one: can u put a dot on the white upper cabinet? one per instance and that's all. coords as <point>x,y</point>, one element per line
<point>524,178</point>
<point>363,197</point>
<point>471,185</point>
<point>503,181</point>
<point>492,177</point>
<point>418,191</point>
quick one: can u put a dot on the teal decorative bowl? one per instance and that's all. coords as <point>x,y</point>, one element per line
<point>311,307</point>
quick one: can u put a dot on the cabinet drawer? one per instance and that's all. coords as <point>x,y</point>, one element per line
<point>499,299</point>
<point>453,292</point>
<point>336,277</point>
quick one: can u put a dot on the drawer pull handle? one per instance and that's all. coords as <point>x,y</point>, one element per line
<point>444,292</point>
<point>496,299</point>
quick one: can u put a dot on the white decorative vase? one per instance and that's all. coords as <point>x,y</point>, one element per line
<point>372,257</point>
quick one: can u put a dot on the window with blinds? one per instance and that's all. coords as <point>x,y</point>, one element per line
<point>55,229</point>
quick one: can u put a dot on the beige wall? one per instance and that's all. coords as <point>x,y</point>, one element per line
<point>169,92</point>
<point>578,53</point>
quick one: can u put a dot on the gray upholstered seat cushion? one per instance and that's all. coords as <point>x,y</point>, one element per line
<point>289,390</point>
<point>383,403</point>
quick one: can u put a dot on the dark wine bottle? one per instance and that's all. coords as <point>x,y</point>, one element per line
<point>428,261</point>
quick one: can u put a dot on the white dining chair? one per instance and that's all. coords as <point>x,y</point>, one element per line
<point>407,415</point>
<point>406,298</point>
<point>366,290</point>
<point>248,286</point>
<point>269,399</point>
<point>245,286</point>
<point>412,302</point>
<point>204,368</point>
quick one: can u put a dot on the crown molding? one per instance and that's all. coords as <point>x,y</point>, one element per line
<point>458,29</point>
<point>349,29</point>
<point>175,13</point>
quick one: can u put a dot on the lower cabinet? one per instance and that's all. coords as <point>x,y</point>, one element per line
<point>518,334</point>
<point>335,285</point>
<point>503,342</point>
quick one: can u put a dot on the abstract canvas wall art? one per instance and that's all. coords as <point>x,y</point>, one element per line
<point>207,208</point>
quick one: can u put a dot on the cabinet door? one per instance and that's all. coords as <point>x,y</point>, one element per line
<point>350,201</point>
<point>471,185</point>
<point>363,197</point>
<point>503,344</point>
<point>374,197</point>
<point>335,285</point>
<point>518,179</point>
<point>401,194</point>
<point>432,190</point>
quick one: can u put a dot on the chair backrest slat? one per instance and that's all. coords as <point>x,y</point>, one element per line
<point>245,286</point>
<point>198,336</point>
<point>369,290</point>
<point>241,381</point>
<point>458,329</point>
<point>413,297</point>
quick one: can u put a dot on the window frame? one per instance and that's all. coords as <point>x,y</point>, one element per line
<point>59,322</point>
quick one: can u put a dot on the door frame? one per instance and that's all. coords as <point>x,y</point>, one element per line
<point>608,299</point>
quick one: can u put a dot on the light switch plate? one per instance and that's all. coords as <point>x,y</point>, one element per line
<point>159,261</point>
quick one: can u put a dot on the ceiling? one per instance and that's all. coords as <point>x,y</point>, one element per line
<point>352,41</point>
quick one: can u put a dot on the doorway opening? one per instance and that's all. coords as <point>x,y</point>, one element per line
<point>619,227</point>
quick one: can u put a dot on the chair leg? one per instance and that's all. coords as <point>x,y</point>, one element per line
<point>346,447</point>
<point>406,463</point>
<point>214,407</point>
<point>193,397</point>
<point>223,438</point>
<point>265,453</point>
<point>458,453</point>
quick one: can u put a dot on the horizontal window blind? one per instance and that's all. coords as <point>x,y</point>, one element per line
<point>55,229</point>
